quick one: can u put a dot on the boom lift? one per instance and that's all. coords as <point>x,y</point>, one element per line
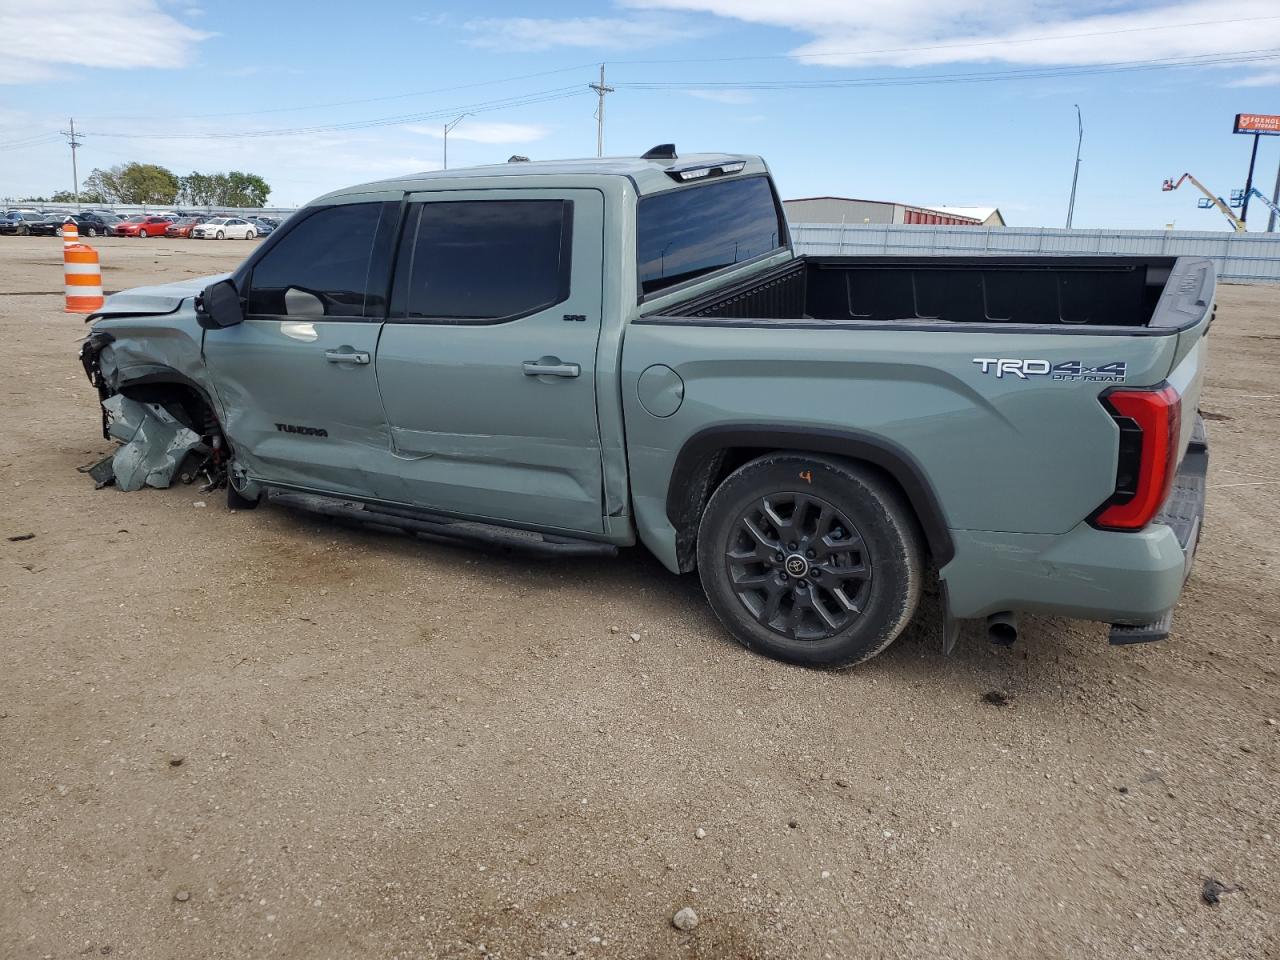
<point>1254,192</point>
<point>1213,199</point>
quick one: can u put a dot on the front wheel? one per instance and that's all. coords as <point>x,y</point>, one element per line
<point>810,559</point>
<point>238,502</point>
<point>219,235</point>
<point>143,234</point>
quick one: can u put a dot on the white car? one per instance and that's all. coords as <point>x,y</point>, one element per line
<point>224,227</point>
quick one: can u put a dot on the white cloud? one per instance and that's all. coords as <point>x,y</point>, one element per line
<point>914,33</point>
<point>1268,78</point>
<point>600,33</point>
<point>481,131</point>
<point>41,36</point>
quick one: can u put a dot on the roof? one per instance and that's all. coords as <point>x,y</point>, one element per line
<point>649,176</point>
<point>843,199</point>
<point>978,213</point>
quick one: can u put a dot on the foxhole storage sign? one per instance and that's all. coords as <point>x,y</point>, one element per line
<point>1267,124</point>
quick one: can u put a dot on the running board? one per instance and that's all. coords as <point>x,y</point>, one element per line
<point>1122,634</point>
<point>445,529</point>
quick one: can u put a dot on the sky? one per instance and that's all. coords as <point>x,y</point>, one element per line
<point>943,102</point>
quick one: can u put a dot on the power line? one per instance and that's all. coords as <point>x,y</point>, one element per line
<point>346,103</point>
<point>542,96</point>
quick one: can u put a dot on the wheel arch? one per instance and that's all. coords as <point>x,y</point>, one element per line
<point>712,454</point>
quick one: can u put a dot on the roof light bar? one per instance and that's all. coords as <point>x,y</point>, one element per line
<point>703,170</point>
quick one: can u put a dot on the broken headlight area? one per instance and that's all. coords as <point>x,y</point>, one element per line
<point>162,440</point>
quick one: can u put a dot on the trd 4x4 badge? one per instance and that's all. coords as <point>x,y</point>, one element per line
<point>1113,372</point>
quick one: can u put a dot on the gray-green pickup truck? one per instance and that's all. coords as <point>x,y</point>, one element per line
<point>570,357</point>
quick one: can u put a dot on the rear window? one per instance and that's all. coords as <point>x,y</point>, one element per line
<point>685,233</point>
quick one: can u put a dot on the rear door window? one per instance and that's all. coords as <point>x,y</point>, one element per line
<point>483,261</point>
<point>687,232</point>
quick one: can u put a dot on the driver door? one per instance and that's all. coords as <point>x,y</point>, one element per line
<point>296,378</point>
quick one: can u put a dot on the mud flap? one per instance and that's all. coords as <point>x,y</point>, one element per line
<point>155,444</point>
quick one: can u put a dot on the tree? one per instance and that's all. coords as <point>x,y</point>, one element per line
<point>86,196</point>
<point>234,189</point>
<point>134,183</point>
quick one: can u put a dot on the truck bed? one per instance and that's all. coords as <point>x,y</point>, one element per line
<point>1067,291</point>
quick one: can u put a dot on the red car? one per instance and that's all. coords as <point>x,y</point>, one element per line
<point>142,225</point>
<point>182,228</point>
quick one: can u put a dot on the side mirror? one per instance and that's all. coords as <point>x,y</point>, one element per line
<point>218,306</point>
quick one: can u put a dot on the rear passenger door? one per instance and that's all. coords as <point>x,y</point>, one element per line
<point>487,361</point>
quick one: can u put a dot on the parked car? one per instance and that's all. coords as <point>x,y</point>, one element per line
<point>263,227</point>
<point>578,357</point>
<point>222,228</point>
<point>89,224</point>
<point>142,225</point>
<point>27,223</point>
<point>183,227</point>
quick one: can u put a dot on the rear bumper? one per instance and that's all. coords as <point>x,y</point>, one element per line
<point>1089,574</point>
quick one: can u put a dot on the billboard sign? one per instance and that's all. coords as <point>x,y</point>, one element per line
<point>1264,123</point>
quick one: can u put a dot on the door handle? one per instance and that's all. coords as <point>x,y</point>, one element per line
<point>358,357</point>
<point>550,367</point>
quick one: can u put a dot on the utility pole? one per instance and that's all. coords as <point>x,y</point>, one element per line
<point>600,90</point>
<point>447,127</point>
<point>1248,181</point>
<point>1275,200</point>
<point>73,141</point>
<point>1071,206</point>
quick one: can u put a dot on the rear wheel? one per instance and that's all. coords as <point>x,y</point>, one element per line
<point>249,235</point>
<point>810,559</point>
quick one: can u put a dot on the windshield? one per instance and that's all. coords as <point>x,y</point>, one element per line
<point>135,219</point>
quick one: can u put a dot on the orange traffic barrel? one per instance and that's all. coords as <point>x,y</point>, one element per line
<point>81,271</point>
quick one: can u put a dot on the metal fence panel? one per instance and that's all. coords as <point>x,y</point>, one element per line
<point>1240,257</point>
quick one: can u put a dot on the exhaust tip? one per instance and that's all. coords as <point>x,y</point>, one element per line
<point>1002,628</point>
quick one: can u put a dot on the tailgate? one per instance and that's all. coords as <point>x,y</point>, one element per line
<point>1188,304</point>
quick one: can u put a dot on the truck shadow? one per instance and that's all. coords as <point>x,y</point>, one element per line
<point>635,576</point>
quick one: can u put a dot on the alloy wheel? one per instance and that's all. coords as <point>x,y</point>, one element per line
<point>798,565</point>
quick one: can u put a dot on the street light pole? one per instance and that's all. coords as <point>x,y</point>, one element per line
<point>447,127</point>
<point>1071,206</point>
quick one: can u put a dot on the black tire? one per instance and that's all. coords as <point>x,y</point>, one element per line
<point>236,502</point>
<point>855,538</point>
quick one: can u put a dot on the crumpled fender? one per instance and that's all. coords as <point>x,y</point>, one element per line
<point>154,446</point>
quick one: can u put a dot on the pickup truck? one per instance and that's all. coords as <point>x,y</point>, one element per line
<point>573,357</point>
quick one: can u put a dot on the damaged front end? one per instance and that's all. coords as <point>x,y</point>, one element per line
<point>166,427</point>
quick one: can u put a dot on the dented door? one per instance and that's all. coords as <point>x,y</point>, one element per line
<point>296,379</point>
<point>487,361</point>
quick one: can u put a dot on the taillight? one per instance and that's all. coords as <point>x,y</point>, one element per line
<point>1149,422</point>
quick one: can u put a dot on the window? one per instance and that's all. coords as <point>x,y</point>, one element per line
<point>320,268</point>
<point>483,261</point>
<point>687,232</point>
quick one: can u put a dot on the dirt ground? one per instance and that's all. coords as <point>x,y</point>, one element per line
<point>263,735</point>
